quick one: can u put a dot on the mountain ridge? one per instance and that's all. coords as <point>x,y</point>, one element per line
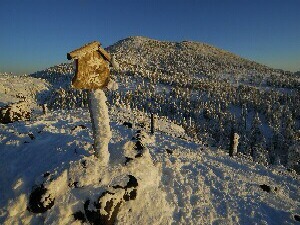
<point>187,56</point>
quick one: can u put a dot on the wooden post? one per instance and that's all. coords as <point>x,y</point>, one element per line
<point>45,109</point>
<point>152,123</point>
<point>234,142</point>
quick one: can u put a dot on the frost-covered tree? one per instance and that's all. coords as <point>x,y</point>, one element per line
<point>257,142</point>
<point>294,157</point>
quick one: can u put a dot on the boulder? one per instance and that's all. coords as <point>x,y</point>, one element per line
<point>108,205</point>
<point>297,218</point>
<point>268,188</point>
<point>39,200</point>
<point>19,111</point>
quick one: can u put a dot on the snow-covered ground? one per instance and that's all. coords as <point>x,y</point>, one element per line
<point>49,174</point>
<point>17,88</point>
<point>179,181</point>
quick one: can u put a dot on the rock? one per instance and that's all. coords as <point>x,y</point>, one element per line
<point>265,187</point>
<point>127,160</point>
<point>47,174</point>
<point>141,125</point>
<point>140,154</point>
<point>128,124</point>
<point>31,136</point>
<point>73,185</point>
<point>109,203</point>
<point>138,135</point>
<point>40,201</point>
<point>132,182</point>
<point>15,112</point>
<point>206,114</point>
<point>170,152</point>
<point>268,189</point>
<point>297,218</point>
<point>139,146</point>
<point>111,210</point>
<point>131,195</point>
<point>79,216</point>
<point>77,127</point>
<point>83,163</point>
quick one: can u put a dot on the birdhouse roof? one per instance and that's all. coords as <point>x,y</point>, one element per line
<point>90,47</point>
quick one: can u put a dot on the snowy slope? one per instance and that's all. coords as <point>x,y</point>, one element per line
<point>18,88</point>
<point>206,90</point>
<point>175,179</point>
<point>188,184</point>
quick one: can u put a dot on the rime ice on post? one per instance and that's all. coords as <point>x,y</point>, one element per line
<point>92,72</point>
<point>234,144</point>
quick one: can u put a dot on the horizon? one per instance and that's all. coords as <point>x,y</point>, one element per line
<point>37,35</point>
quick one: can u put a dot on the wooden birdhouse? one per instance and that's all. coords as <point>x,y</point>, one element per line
<point>92,66</point>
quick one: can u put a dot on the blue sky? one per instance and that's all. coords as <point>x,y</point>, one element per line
<point>36,34</point>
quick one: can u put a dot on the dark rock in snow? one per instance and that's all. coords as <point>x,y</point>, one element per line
<point>127,160</point>
<point>46,174</point>
<point>15,112</point>
<point>132,182</point>
<point>140,154</point>
<point>118,186</point>
<point>31,136</point>
<point>265,187</point>
<point>75,184</point>
<point>83,163</point>
<point>170,152</point>
<point>35,200</point>
<point>79,216</point>
<point>141,125</point>
<point>128,124</point>
<point>138,135</point>
<point>81,126</point>
<point>131,195</point>
<point>206,114</point>
<point>95,217</point>
<point>112,204</point>
<point>139,146</point>
<point>297,218</point>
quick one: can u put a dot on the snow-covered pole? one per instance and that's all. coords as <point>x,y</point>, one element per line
<point>92,73</point>
<point>234,144</point>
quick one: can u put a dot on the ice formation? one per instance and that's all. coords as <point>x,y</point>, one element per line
<point>100,124</point>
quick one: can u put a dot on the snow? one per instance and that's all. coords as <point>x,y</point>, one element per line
<point>176,179</point>
<point>193,184</point>
<point>100,122</point>
<point>16,88</point>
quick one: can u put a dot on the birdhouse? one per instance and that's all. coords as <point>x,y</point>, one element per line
<point>92,66</point>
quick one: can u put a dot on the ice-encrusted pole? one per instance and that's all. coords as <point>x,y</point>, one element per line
<point>92,73</point>
<point>234,144</point>
<point>100,124</point>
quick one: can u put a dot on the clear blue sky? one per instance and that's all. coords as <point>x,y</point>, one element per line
<point>36,34</point>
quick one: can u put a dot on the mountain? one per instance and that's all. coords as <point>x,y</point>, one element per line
<point>187,57</point>
<point>181,174</point>
<point>208,91</point>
